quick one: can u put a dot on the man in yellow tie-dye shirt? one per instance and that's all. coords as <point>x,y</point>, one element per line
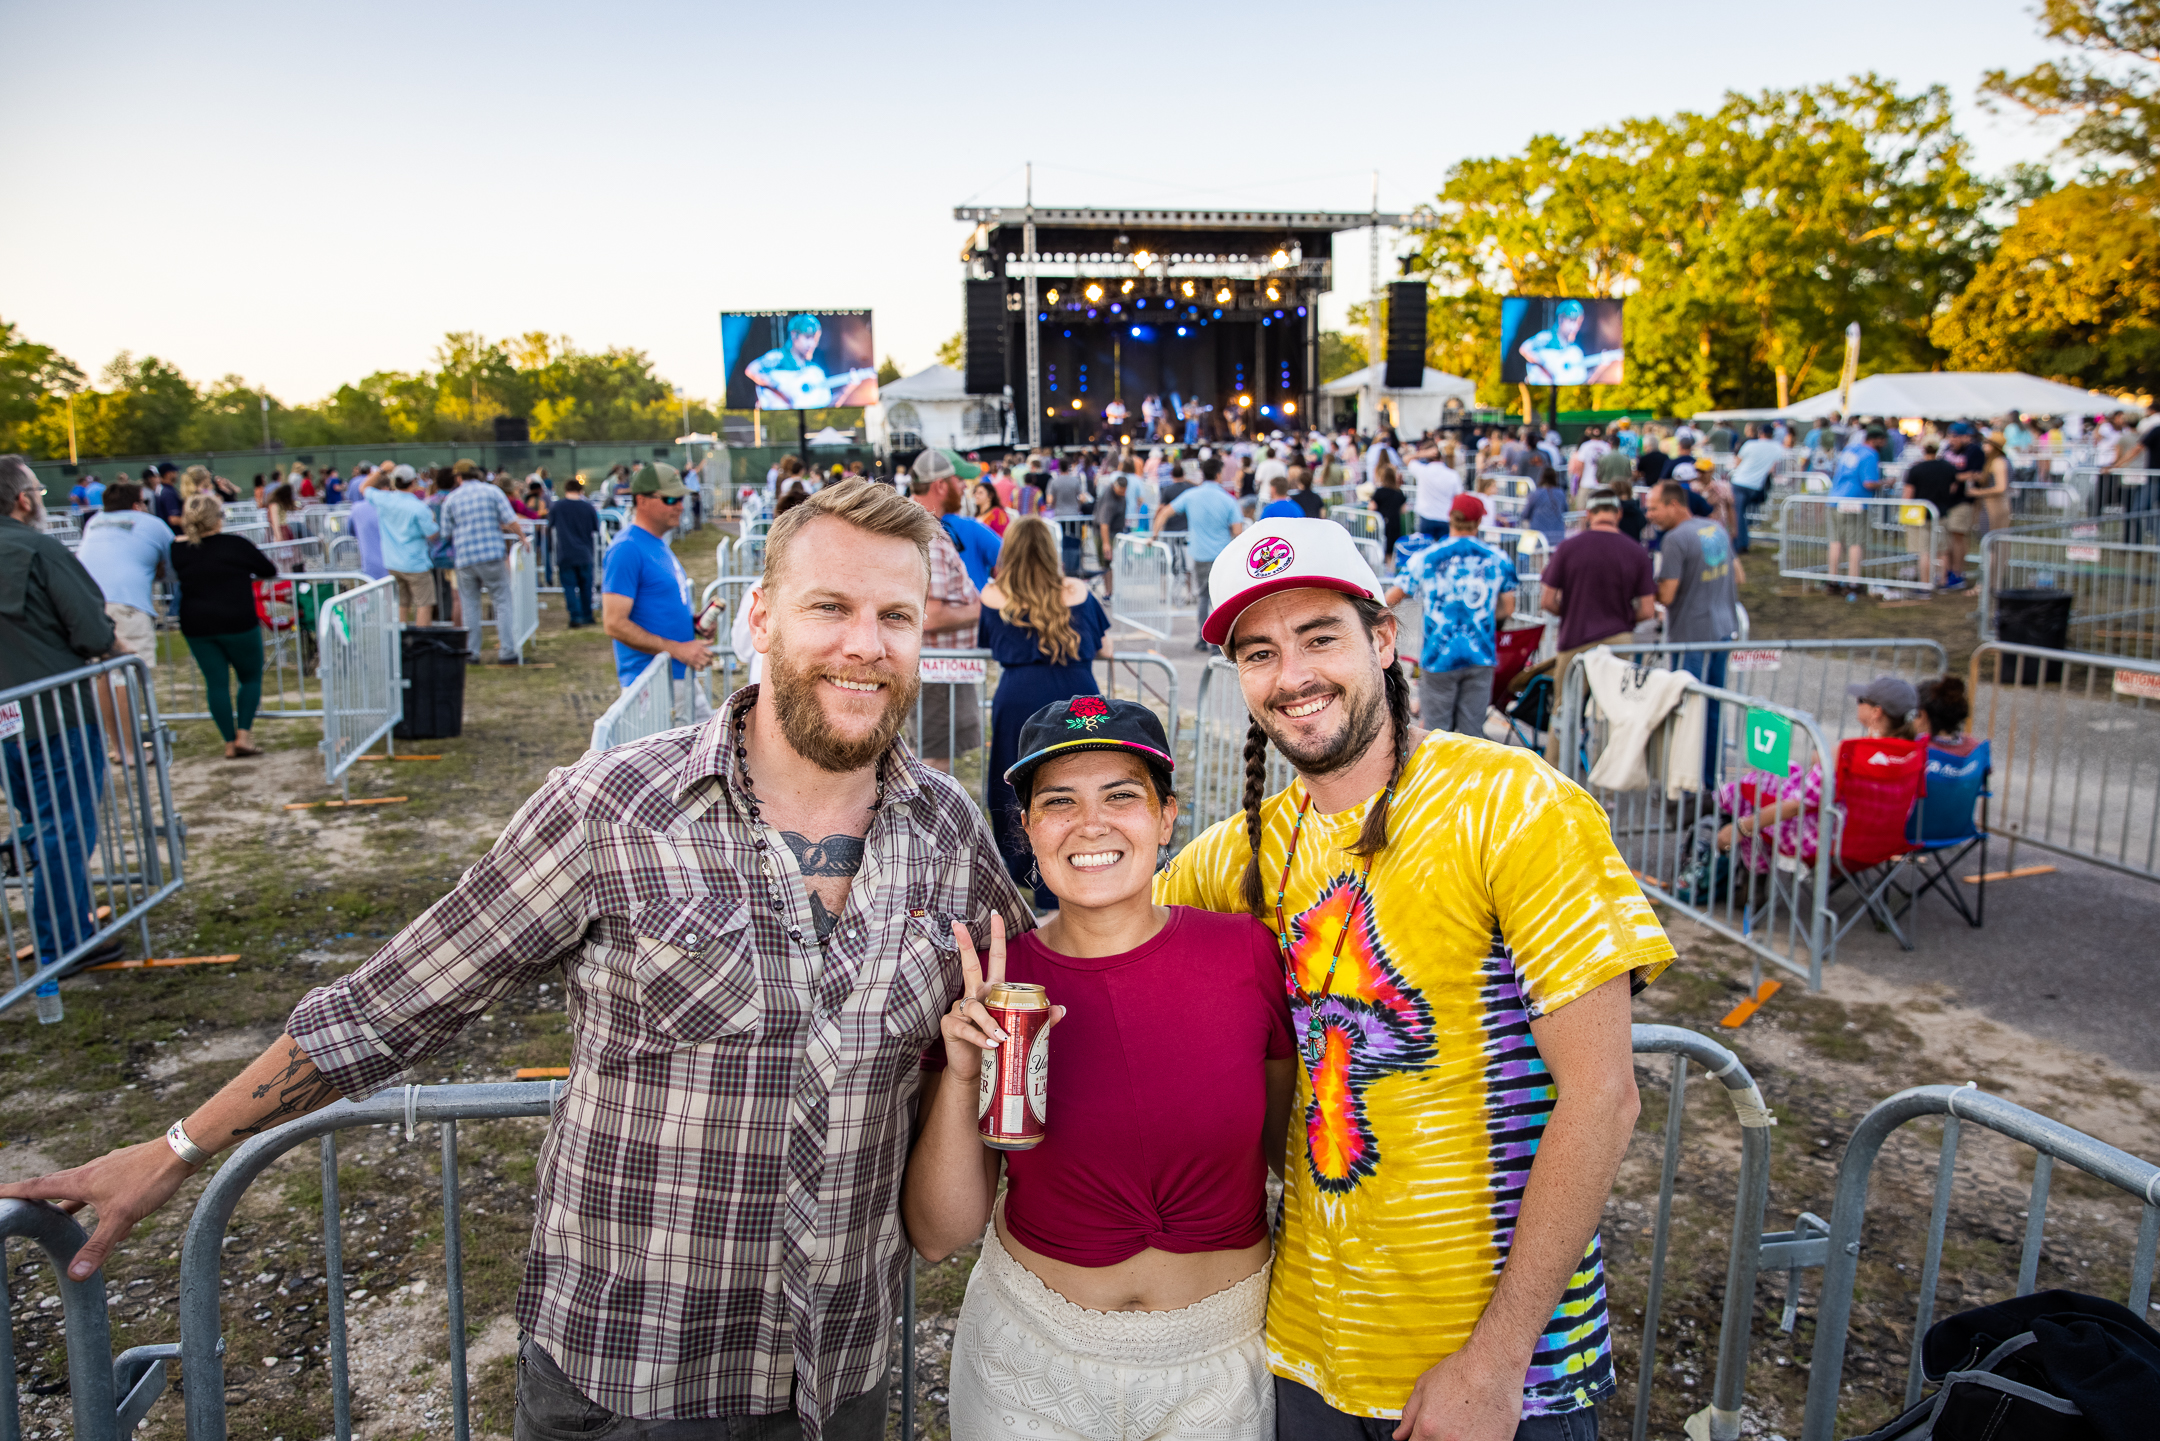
<point>1460,940</point>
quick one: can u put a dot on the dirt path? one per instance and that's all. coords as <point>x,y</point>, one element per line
<point>305,895</point>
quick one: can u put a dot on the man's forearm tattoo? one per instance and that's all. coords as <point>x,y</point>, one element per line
<point>299,1088</point>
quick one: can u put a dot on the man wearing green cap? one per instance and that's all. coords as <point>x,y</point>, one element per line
<point>645,593</point>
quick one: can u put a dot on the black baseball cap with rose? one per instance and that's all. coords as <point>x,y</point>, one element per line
<point>1090,723</point>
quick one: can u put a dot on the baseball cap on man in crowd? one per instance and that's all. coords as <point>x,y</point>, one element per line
<point>1283,554</point>
<point>660,480</point>
<point>1468,506</point>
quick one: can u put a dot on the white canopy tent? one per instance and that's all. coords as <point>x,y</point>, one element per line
<point>1944,395</point>
<point>932,408</point>
<point>1415,411</point>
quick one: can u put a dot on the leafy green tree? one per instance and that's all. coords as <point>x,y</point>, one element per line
<point>1744,241</point>
<point>888,371</point>
<point>2109,90</point>
<point>30,375</point>
<point>952,350</point>
<point>1341,354</point>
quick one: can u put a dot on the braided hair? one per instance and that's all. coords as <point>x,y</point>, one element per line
<point>1373,835</point>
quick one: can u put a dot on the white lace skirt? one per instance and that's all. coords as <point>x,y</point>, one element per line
<point>1028,1362</point>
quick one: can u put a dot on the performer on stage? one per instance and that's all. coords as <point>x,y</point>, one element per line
<point>1555,359</point>
<point>791,379</point>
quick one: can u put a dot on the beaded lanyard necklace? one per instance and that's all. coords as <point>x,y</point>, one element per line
<point>1313,1027</point>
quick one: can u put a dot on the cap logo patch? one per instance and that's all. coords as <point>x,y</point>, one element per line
<point>1085,713</point>
<point>1270,556</point>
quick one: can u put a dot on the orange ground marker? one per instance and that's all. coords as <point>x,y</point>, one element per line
<point>1737,1016</point>
<point>332,805</point>
<point>542,1073</point>
<point>2009,875</point>
<point>166,961</point>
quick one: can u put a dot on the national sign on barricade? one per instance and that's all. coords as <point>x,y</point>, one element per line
<point>2075,753</point>
<point>90,844</point>
<point>363,687</point>
<point>2112,587</point>
<point>951,720</point>
<point>1876,543</point>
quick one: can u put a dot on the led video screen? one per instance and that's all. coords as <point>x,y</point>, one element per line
<point>1553,340</point>
<point>798,359</point>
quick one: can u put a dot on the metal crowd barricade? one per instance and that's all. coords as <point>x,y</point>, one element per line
<point>109,1395</point>
<point>949,677</point>
<point>1805,675</point>
<point>2129,491</point>
<point>1895,540</point>
<point>2114,587</point>
<point>84,836</point>
<point>524,617</point>
<point>321,521</point>
<point>1146,593</point>
<point>1958,1106</point>
<point>362,668</point>
<point>309,552</point>
<point>1360,521</point>
<point>2075,749</point>
<point>1220,724</point>
<point>1529,550</point>
<point>1774,901</point>
<point>292,679</point>
<point>646,707</point>
<point>202,1342</point>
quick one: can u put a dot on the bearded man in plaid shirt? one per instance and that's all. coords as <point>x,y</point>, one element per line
<point>754,921</point>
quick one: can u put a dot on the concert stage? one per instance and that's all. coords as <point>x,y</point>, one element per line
<point>1207,310</point>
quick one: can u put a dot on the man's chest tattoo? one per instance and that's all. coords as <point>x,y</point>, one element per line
<point>828,869</point>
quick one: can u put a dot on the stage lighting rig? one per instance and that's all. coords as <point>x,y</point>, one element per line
<point>1053,297</point>
<point>1142,259</point>
<point>1274,291</point>
<point>1281,259</point>
<point>1186,289</point>
<point>1126,288</point>
<point>1094,294</point>
<point>1222,295</point>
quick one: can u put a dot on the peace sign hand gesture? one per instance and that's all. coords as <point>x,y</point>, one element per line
<point>968,1027</point>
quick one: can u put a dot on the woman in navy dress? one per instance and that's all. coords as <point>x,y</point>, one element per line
<point>1043,628</point>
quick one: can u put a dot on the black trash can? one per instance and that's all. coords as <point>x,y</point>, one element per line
<point>2036,618</point>
<point>434,661</point>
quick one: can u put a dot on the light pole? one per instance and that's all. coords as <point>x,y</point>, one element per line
<point>266,422</point>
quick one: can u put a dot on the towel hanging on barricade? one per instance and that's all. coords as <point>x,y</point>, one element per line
<point>1636,703</point>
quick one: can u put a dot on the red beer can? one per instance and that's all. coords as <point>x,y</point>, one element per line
<point>1014,1100</point>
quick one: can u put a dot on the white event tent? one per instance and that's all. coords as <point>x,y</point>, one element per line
<point>1944,395</point>
<point>1416,411</point>
<point>932,408</point>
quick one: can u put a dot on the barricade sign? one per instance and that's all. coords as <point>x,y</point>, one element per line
<point>954,670</point>
<point>1747,661</point>
<point>11,721</point>
<point>1769,741</point>
<point>2143,685</point>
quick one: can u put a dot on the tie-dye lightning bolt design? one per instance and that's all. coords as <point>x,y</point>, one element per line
<point>1371,1024</point>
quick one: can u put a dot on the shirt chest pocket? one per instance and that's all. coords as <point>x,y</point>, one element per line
<point>927,977</point>
<point>696,969</point>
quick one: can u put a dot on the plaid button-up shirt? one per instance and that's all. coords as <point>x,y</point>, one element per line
<point>949,582</point>
<point>473,517</point>
<point>718,1204</point>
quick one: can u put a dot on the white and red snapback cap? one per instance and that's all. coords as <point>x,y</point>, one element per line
<point>1283,554</point>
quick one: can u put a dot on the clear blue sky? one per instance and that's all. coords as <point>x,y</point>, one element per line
<point>303,193</point>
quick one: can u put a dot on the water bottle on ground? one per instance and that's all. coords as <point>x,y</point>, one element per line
<point>49,1010</point>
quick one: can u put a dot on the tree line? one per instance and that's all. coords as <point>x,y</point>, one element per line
<point>1745,239</point>
<point>146,406</point>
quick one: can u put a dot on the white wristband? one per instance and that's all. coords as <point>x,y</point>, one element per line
<point>176,1136</point>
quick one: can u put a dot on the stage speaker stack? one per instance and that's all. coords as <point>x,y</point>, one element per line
<point>984,346</point>
<point>512,430</point>
<point>1405,336</point>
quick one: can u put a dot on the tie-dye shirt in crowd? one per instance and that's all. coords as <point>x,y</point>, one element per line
<point>1499,899</point>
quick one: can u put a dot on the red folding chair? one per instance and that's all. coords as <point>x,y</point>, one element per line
<point>1512,650</point>
<point>1879,782</point>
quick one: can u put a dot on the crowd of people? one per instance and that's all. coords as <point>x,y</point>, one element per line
<point>780,928</point>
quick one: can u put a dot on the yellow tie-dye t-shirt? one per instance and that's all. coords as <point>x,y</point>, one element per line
<point>1499,898</point>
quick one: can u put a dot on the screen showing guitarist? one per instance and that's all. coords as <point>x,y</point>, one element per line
<point>790,378</point>
<point>1554,357</point>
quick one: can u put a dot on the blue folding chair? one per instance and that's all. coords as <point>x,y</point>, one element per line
<point>1949,824</point>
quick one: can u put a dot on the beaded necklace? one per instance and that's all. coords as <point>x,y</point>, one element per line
<point>1313,1027</point>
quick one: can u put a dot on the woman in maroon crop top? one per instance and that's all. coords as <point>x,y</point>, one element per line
<point>1122,1288</point>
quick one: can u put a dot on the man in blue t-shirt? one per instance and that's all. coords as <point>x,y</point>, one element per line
<point>576,526</point>
<point>645,594</point>
<point>1464,590</point>
<point>935,484</point>
<point>1211,518</point>
<point>124,549</point>
<point>1857,478</point>
<point>1280,506</point>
